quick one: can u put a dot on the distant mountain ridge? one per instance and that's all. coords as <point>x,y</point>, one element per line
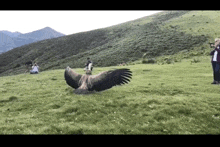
<point>10,40</point>
<point>6,43</point>
<point>11,34</point>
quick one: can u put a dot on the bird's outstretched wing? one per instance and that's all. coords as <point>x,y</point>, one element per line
<point>72,78</point>
<point>108,79</point>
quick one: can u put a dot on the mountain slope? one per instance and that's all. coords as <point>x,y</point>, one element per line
<point>17,39</point>
<point>154,36</point>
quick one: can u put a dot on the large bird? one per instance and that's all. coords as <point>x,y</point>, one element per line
<point>84,84</point>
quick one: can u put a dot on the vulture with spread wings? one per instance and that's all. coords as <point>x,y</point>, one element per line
<point>102,81</point>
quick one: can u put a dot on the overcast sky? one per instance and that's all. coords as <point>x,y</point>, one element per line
<point>66,22</point>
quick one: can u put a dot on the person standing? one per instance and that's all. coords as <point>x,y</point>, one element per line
<point>87,64</point>
<point>215,53</point>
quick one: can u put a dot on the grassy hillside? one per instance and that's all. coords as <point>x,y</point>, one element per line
<point>161,34</point>
<point>160,99</point>
<point>199,23</point>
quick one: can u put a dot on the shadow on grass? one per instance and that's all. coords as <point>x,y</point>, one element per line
<point>12,98</point>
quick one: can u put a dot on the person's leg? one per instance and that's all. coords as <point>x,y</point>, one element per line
<point>32,72</point>
<point>217,67</point>
<point>214,75</point>
<point>216,71</point>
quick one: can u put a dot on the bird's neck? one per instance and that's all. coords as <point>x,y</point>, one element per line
<point>84,86</point>
<point>88,72</point>
<point>83,82</point>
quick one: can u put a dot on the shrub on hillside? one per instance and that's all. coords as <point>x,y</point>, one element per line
<point>167,60</point>
<point>147,61</point>
<point>17,65</point>
<point>195,60</point>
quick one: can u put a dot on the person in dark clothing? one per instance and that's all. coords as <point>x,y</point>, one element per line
<point>87,64</point>
<point>88,61</point>
<point>215,53</point>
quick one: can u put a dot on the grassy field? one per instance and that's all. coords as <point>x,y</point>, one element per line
<point>160,99</point>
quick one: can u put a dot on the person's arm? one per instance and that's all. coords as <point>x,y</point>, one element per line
<point>212,52</point>
<point>88,63</point>
<point>218,50</point>
<point>211,45</point>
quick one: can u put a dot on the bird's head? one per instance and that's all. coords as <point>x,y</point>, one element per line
<point>88,72</point>
<point>67,68</point>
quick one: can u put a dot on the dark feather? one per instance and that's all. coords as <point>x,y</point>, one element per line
<point>72,78</point>
<point>107,80</point>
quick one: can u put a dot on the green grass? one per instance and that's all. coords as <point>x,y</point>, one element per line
<point>198,23</point>
<point>160,99</point>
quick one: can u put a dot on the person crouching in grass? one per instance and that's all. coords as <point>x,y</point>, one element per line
<point>35,69</point>
<point>215,53</point>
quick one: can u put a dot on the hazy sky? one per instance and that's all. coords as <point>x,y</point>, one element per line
<point>66,22</point>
